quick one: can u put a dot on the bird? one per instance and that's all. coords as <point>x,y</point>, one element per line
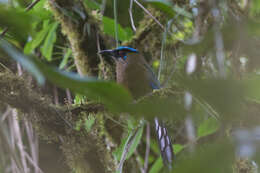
<point>136,75</point>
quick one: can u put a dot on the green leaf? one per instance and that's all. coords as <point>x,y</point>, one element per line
<point>255,7</point>
<point>208,127</point>
<point>177,148</point>
<point>162,5</point>
<point>252,87</point>
<point>65,59</point>
<point>223,95</point>
<point>23,60</point>
<point>89,122</point>
<point>30,46</point>
<point>112,95</point>
<point>40,11</point>
<point>136,141</point>
<point>48,45</point>
<point>168,8</point>
<point>217,157</point>
<point>181,11</point>
<point>79,99</point>
<point>18,22</point>
<point>154,146</point>
<point>92,4</point>
<point>132,139</point>
<point>157,166</point>
<point>109,93</point>
<point>128,145</point>
<point>124,34</point>
<point>78,125</point>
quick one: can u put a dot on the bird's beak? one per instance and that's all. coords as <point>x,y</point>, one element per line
<point>108,52</point>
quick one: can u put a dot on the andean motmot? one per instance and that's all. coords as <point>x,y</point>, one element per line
<point>134,73</point>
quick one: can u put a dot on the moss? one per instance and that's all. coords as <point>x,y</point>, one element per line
<point>86,150</point>
<point>244,166</point>
<point>81,45</point>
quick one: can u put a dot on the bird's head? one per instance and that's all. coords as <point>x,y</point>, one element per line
<point>119,53</point>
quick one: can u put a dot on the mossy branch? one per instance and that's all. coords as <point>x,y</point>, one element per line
<point>74,26</point>
<point>85,151</point>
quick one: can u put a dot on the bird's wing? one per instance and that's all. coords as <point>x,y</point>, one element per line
<point>154,82</point>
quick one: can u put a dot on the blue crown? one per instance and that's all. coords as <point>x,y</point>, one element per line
<point>125,48</point>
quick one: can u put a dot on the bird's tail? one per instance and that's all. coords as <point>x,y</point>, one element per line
<point>165,143</point>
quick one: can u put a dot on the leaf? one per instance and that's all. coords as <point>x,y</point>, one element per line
<point>255,8</point>
<point>168,8</point>
<point>89,122</point>
<point>217,157</point>
<point>40,11</point>
<point>92,4</point>
<point>128,146</point>
<point>162,5</point>
<point>157,166</point>
<point>135,142</point>
<point>109,28</point>
<point>48,45</point>
<point>223,95</point>
<point>208,127</point>
<point>65,59</point>
<point>177,148</point>
<point>126,141</point>
<point>109,93</point>
<point>79,99</point>
<point>252,87</point>
<point>181,11</point>
<point>18,22</point>
<point>23,60</point>
<point>78,125</point>
<point>163,106</point>
<point>30,46</point>
<point>112,95</point>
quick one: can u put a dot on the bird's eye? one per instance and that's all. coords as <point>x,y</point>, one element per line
<point>122,55</point>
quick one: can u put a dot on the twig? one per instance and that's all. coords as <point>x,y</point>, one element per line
<point>162,52</point>
<point>33,143</point>
<point>164,84</point>
<point>219,43</point>
<point>18,139</point>
<point>127,146</point>
<point>115,17</point>
<point>100,57</point>
<point>137,157</point>
<point>56,95</point>
<point>207,108</point>
<point>6,113</point>
<point>103,7</point>
<point>147,12</point>
<point>131,15</point>
<point>32,5</point>
<point>67,122</point>
<point>115,121</point>
<point>19,69</point>
<point>6,68</point>
<point>4,32</point>
<point>147,151</point>
<point>69,98</point>
<point>33,163</point>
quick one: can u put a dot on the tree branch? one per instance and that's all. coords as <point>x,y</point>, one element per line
<point>84,151</point>
<point>82,44</point>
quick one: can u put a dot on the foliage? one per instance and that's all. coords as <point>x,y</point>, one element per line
<point>218,105</point>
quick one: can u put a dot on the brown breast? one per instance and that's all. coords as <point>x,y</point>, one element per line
<point>133,75</point>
